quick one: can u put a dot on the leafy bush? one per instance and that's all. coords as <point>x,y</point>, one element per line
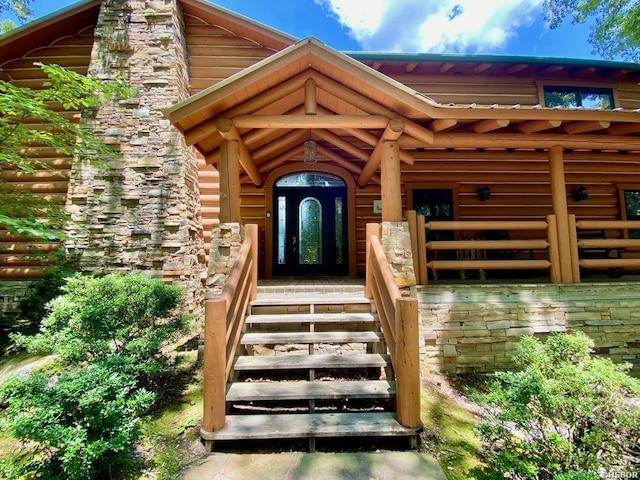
<point>565,415</point>
<point>128,315</point>
<point>83,422</point>
<point>113,332</point>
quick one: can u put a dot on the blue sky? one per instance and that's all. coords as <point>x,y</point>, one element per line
<point>503,27</point>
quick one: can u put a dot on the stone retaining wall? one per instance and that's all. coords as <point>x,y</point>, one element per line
<point>474,328</point>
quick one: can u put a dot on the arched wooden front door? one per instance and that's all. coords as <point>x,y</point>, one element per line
<point>310,225</point>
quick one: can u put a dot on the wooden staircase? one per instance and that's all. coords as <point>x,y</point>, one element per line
<point>312,363</point>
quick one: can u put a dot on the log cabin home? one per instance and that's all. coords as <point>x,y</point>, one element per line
<point>482,198</point>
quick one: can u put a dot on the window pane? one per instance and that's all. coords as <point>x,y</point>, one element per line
<point>596,100</point>
<point>560,98</point>
<point>310,229</point>
<point>310,179</point>
<point>282,230</point>
<point>339,233</point>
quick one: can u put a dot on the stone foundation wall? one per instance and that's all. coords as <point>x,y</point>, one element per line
<point>11,293</point>
<point>141,211</point>
<point>471,328</point>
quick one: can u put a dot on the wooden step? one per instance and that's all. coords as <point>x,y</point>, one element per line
<point>308,318</point>
<point>305,362</point>
<point>287,391</point>
<point>310,338</point>
<point>303,299</point>
<point>314,425</point>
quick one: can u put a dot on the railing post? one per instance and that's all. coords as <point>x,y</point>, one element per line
<point>215,368</point>
<point>573,243</point>
<point>412,220</point>
<point>407,364</point>
<point>373,230</point>
<point>554,252</point>
<point>422,251</point>
<point>251,231</point>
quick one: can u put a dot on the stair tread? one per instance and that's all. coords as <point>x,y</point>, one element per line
<point>254,427</point>
<point>311,337</point>
<point>306,299</point>
<point>303,390</point>
<point>291,362</point>
<point>363,317</point>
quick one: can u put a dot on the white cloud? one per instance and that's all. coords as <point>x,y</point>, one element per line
<point>433,25</point>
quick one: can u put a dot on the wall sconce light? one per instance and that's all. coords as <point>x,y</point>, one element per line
<point>484,194</point>
<point>310,152</point>
<point>580,194</point>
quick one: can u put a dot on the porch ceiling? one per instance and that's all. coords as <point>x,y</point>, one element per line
<point>309,91</point>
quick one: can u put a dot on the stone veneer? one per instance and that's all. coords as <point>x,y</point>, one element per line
<point>474,328</point>
<point>226,240</point>
<point>395,240</point>
<point>141,211</point>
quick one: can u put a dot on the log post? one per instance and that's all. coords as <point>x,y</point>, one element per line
<point>412,220</point>
<point>407,363</point>
<point>251,231</point>
<point>391,186</point>
<point>229,168</point>
<point>215,365</point>
<point>554,255</point>
<point>422,251</point>
<point>373,230</point>
<point>573,242</point>
<point>559,202</point>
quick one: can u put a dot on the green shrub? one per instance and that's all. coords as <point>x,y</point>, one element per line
<point>128,315</point>
<point>565,415</point>
<point>84,422</point>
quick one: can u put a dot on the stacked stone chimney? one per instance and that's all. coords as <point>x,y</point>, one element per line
<point>141,211</point>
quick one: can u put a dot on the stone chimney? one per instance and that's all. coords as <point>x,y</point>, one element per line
<point>141,211</point>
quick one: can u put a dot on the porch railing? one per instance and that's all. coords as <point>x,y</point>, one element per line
<point>599,252</point>
<point>224,320</point>
<point>399,319</point>
<point>426,261</point>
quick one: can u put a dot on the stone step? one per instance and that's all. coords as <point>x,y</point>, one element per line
<point>280,338</point>
<point>313,425</point>
<point>309,318</point>
<point>287,391</point>
<point>305,362</point>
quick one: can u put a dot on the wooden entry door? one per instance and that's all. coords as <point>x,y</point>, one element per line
<point>310,229</point>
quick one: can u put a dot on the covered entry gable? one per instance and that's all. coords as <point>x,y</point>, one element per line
<point>305,92</point>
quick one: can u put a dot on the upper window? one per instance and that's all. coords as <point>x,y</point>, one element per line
<point>574,97</point>
<point>310,179</point>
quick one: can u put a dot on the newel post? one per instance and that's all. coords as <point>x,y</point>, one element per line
<point>251,231</point>
<point>407,364</point>
<point>215,364</point>
<point>373,230</point>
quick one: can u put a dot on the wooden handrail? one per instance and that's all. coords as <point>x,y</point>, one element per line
<point>418,226</point>
<point>224,320</point>
<point>399,320</point>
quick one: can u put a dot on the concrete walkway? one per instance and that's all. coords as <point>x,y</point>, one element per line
<point>317,466</point>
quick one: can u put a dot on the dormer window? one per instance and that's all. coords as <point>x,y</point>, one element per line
<point>575,97</point>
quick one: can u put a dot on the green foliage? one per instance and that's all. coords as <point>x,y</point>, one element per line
<point>129,315</point>
<point>563,415</point>
<point>33,306</point>
<point>113,332</point>
<point>616,31</point>
<point>18,8</point>
<point>20,109</point>
<point>84,422</point>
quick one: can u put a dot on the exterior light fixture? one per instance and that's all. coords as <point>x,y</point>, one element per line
<point>310,152</point>
<point>580,194</point>
<point>484,194</point>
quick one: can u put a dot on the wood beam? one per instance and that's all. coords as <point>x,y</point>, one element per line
<point>526,141</point>
<point>516,68</point>
<point>443,124</point>
<point>488,125</point>
<point>229,168</point>
<point>391,185</point>
<point>229,132</point>
<point>339,160</point>
<point>376,65</point>
<point>281,159</point>
<point>483,67</point>
<point>311,121</point>
<point>283,143</point>
<point>342,144</point>
<point>445,67</point>
<point>583,127</point>
<point>410,67</point>
<point>391,133</point>
<point>551,69</point>
<point>367,105</point>
<point>624,128</point>
<point>310,100</point>
<point>537,125</point>
<point>203,130</point>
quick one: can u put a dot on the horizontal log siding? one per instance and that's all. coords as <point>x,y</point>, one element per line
<point>20,257</point>
<point>216,53</point>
